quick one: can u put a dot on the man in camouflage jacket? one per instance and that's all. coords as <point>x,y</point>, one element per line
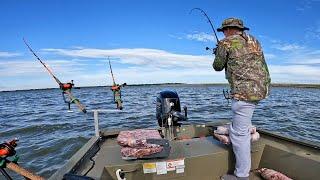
<point>240,54</point>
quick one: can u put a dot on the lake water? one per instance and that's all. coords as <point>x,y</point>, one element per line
<point>49,135</point>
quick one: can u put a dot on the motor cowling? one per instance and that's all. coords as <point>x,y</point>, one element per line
<point>168,106</point>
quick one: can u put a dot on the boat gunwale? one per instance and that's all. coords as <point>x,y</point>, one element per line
<point>291,139</point>
<point>75,159</point>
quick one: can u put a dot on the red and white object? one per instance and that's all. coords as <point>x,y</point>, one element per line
<point>137,138</point>
<point>222,134</point>
<point>270,174</point>
<point>134,143</point>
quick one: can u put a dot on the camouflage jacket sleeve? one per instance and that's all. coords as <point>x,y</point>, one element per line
<point>221,57</point>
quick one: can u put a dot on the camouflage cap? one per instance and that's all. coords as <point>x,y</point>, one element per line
<point>232,22</point>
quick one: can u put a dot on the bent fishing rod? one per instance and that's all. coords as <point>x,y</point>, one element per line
<point>209,21</point>
<point>226,93</point>
<point>65,87</point>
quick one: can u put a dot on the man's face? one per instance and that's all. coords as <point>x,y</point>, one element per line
<point>226,32</point>
<point>229,31</point>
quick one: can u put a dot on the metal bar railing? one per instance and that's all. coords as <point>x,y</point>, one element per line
<point>96,118</point>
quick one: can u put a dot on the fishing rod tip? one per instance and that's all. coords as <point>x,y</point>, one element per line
<point>192,10</point>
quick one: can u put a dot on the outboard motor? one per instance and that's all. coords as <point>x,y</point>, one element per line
<point>169,109</point>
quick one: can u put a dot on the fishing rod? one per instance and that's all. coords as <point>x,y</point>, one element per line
<point>114,83</point>
<point>116,89</point>
<point>208,20</point>
<point>212,27</point>
<point>226,93</point>
<point>65,87</point>
<point>50,72</point>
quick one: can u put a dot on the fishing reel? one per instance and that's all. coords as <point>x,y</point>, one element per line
<point>118,87</point>
<point>7,149</point>
<point>66,86</point>
<point>213,50</point>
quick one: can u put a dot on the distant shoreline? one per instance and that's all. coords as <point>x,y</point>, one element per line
<point>296,85</point>
<point>316,86</point>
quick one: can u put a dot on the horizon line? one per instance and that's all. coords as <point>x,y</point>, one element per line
<point>297,85</point>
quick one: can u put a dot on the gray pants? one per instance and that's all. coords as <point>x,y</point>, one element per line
<point>240,136</point>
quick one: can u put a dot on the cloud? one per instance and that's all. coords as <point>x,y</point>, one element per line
<point>297,70</point>
<point>14,68</point>
<point>293,63</point>
<point>306,56</point>
<point>140,56</point>
<point>276,44</point>
<point>88,67</point>
<point>158,63</point>
<point>289,47</point>
<point>203,37</point>
<point>313,32</point>
<point>175,36</point>
<point>306,4</point>
<point>29,74</point>
<point>146,75</point>
<point>290,53</point>
<point>286,46</point>
<point>8,54</point>
<point>294,73</point>
<point>269,56</point>
<point>198,36</point>
<point>308,61</point>
<point>281,45</point>
<point>295,59</point>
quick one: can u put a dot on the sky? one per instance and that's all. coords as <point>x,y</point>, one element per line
<point>149,41</point>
